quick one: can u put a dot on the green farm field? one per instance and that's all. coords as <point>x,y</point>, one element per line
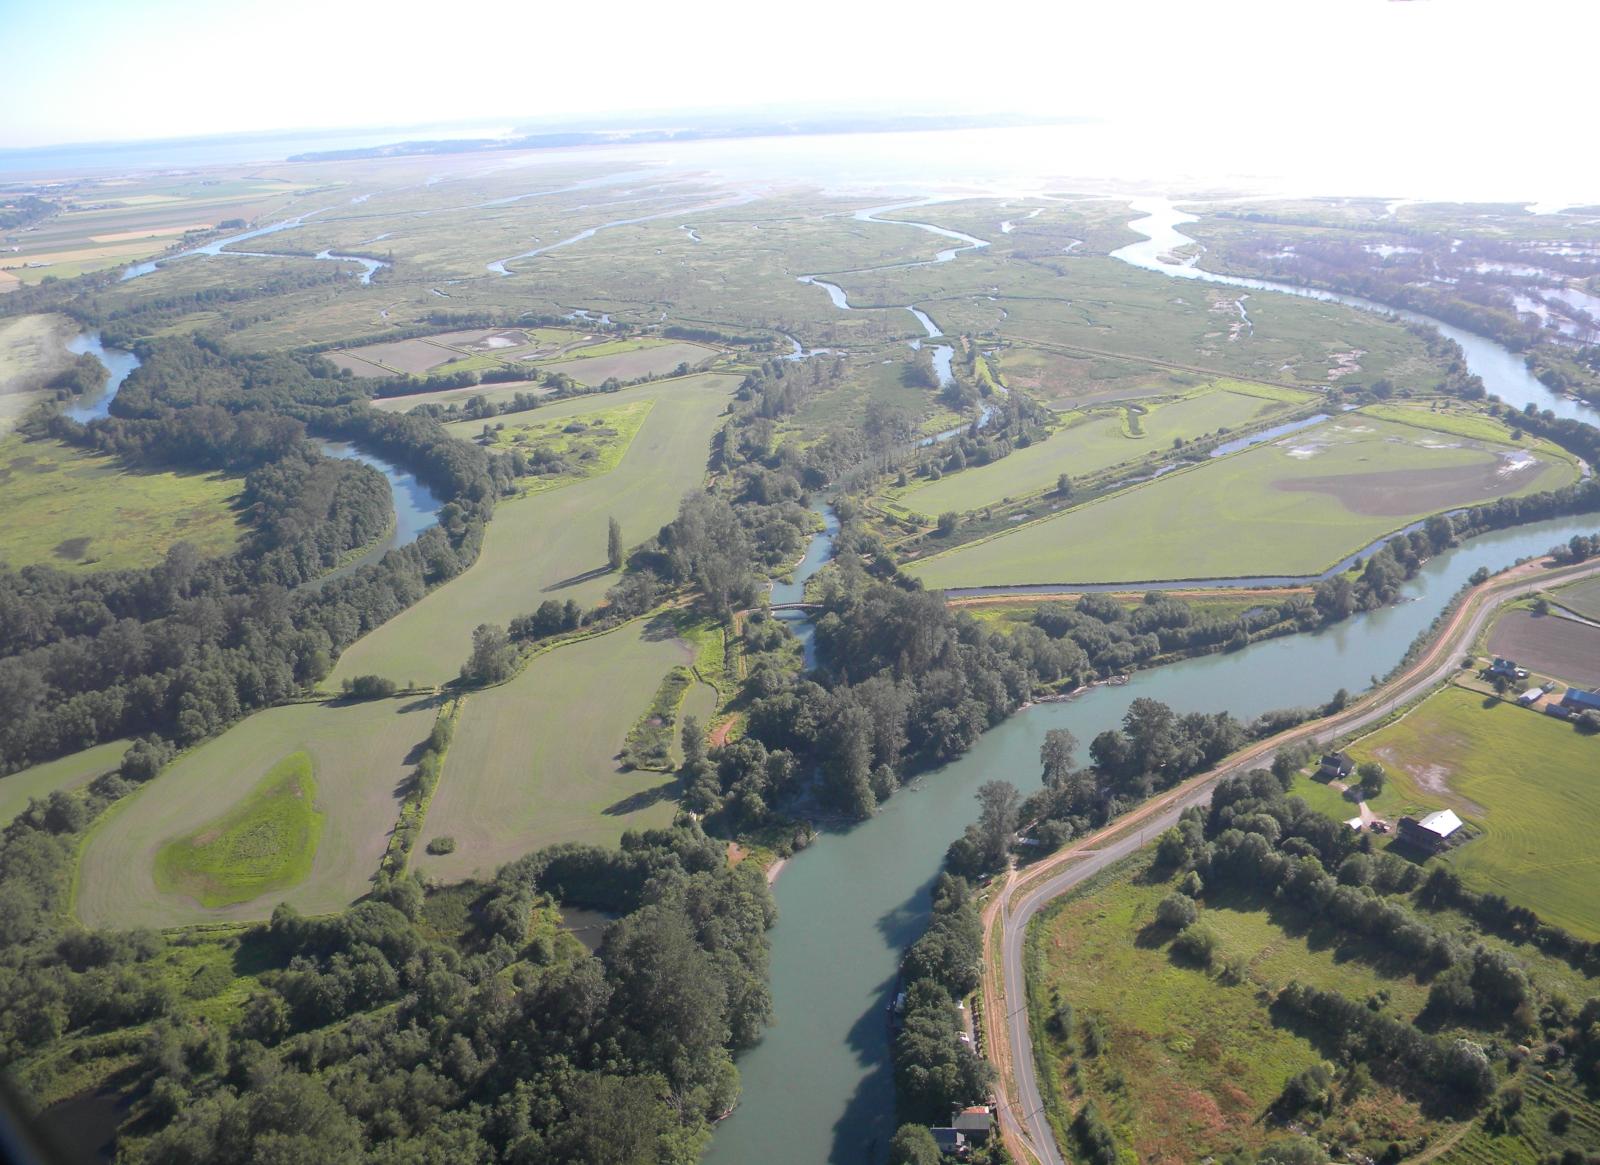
<point>1294,506</point>
<point>588,444</point>
<point>1528,781</point>
<point>359,753</point>
<point>1189,1064</point>
<point>68,772</point>
<point>534,761</point>
<point>1096,441</point>
<point>553,545</point>
<point>264,844</point>
<point>70,508</point>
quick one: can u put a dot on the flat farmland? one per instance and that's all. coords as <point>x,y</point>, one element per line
<point>1582,597</point>
<point>68,772</point>
<point>1551,646</point>
<point>74,509</point>
<point>534,761</point>
<point>553,544</point>
<point>1293,506</point>
<point>1063,380</point>
<point>1530,782</point>
<point>1100,440</point>
<point>359,756</point>
<point>650,360</point>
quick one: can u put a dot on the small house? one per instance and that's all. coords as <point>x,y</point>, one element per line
<point>951,1141</point>
<point>974,1122</point>
<point>1433,832</point>
<point>1336,766</point>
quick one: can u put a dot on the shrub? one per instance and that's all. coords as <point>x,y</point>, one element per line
<point>440,846</point>
<point>1176,911</point>
<point>1197,943</point>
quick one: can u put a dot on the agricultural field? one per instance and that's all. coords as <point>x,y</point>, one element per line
<point>75,509</point>
<point>1186,1063</point>
<point>65,773</point>
<point>263,845</point>
<point>1526,780</point>
<point>1581,597</point>
<point>1549,645</point>
<point>535,760</point>
<point>553,545</point>
<point>576,446</point>
<point>497,393</point>
<point>1293,506</point>
<point>1092,441</point>
<point>1006,612</point>
<point>358,756</point>
<point>644,359</point>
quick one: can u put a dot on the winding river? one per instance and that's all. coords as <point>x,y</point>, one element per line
<point>819,1087</point>
<point>415,505</point>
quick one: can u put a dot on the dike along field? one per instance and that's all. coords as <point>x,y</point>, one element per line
<point>216,794</point>
<point>553,544</point>
<point>1294,506</point>
<point>534,761</point>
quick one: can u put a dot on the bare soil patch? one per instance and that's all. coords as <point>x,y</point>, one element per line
<point>1393,492</point>
<point>1549,645</point>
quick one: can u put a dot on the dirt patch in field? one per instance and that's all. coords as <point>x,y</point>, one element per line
<point>1393,492</point>
<point>1549,645</point>
<point>1431,778</point>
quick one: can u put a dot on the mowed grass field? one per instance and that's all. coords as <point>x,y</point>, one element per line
<point>361,755</point>
<point>553,545</point>
<point>1528,781</point>
<point>1097,441</point>
<point>534,761</point>
<point>1293,506</point>
<point>264,844</point>
<point>68,508</point>
<point>68,772</point>
<point>1189,1064</point>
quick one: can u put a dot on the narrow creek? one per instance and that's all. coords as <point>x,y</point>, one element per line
<point>819,1087</point>
<point>216,247</point>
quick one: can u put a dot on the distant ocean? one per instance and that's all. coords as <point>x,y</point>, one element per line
<point>215,150</point>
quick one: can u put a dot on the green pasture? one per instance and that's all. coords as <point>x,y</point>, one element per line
<point>553,545</point>
<point>588,444</point>
<point>1528,781</point>
<point>1090,442</point>
<point>64,773</point>
<point>264,844</point>
<point>68,508</point>
<point>1239,515</point>
<point>361,755</point>
<point>536,760</point>
<point>630,360</point>
<point>1189,1063</point>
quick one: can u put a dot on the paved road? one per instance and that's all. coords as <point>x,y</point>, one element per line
<point>1022,1116</point>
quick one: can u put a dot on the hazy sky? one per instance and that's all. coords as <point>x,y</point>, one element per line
<point>1484,82</point>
